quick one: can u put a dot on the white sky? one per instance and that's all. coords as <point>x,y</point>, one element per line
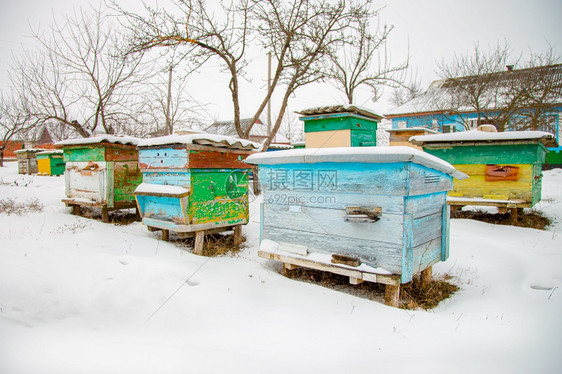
<point>432,29</point>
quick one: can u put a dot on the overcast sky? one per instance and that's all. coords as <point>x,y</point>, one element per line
<point>431,29</point>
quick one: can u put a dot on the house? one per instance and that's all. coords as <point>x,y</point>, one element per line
<point>258,133</point>
<point>444,108</point>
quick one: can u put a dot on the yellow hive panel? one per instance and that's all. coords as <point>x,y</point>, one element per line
<point>477,186</point>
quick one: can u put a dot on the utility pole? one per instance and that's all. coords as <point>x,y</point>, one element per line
<point>169,103</point>
<point>268,88</point>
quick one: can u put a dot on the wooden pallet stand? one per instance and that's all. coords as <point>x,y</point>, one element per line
<point>515,207</point>
<point>200,235</point>
<point>76,205</point>
<point>356,276</point>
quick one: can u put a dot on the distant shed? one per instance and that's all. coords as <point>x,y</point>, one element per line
<point>194,184</point>
<point>374,214</point>
<point>505,168</point>
<point>27,160</point>
<point>101,172</point>
<point>50,162</point>
<point>340,126</point>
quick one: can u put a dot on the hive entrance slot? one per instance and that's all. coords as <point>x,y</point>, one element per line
<point>362,215</point>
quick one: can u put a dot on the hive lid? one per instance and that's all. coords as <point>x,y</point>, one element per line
<point>116,139</point>
<point>480,136</point>
<point>220,141</point>
<point>51,152</point>
<point>355,154</point>
<point>340,108</point>
<point>31,150</point>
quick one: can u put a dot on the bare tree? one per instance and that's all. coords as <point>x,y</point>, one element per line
<point>470,84</point>
<point>405,93</point>
<point>15,119</point>
<point>80,76</point>
<point>364,60</point>
<point>300,34</point>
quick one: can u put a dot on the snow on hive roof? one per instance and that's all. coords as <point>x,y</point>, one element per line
<point>220,141</point>
<point>345,108</point>
<point>355,154</point>
<point>484,137</point>
<point>31,150</point>
<point>115,139</point>
<point>259,129</point>
<point>51,152</point>
<point>414,129</point>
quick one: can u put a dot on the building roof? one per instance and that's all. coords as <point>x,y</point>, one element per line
<point>437,97</point>
<point>340,108</point>
<point>259,130</point>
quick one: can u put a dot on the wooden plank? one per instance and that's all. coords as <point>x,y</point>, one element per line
<point>237,235</point>
<point>392,295</point>
<point>163,158</point>
<point>426,275</point>
<point>332,222</point>
<point>445,233</point>
<point>352,273</point>
<point>165,235</point>
<point>427,228</point>
<point>423,180</point>
<point>121,154</point>
<point>371,252</point>
<point>388,179</point>
<point>217,159</point>
<point>426,254</point>
<point>330,200</point>
<point>104,215</point>
<point>424,205</point>
<point>199,240</point>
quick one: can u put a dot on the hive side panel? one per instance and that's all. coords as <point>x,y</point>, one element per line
<point>424,180</point>
<point>478,186</point>
<point>163,158</point>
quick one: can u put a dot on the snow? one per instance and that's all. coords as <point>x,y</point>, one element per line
<point>151,188</point>
<point>203,139</point>
<point>482,136</point>
<point>102,138</point>
<point>80,296</point>
<point>355,154</point>
<point>51,152</point>
<point>33,150</point>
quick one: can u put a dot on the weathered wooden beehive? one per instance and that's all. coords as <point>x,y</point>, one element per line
<point>101,172</point>
<point>374,214</point>
<point>50,162</point>
<point>340,126</point>
<point>400,137</point>
<point>505,168</point>
<point>27,160</point>
<point>194,184</point>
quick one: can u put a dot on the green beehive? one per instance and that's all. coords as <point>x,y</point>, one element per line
<point>340,126</point>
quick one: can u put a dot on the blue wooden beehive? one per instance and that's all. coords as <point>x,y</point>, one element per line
<point>194,184</point>
<point>374,214</point>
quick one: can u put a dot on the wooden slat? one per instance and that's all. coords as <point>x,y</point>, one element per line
<point>372,277</point>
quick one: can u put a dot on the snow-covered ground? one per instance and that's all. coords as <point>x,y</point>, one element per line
<point>80,296</point>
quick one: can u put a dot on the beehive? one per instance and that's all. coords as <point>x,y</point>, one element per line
<point>505,168</point>
<point>101,172</point>
<point>27,160</point>
<point>382,209</point>
<point>50,162</point>
<point>339,126</point>
<point>194,184</point>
